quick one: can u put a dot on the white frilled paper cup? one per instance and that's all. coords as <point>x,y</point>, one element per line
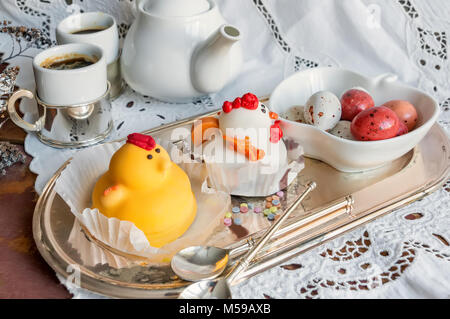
<point>255,179</point>
<point>77,181</point>
<point>92,254</point>
<point>249,182</point>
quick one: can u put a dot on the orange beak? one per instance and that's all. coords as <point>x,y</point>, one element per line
<point>273,115</point>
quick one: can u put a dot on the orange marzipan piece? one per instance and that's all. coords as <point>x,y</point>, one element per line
<point>199,128</point>
<point>245,147</point>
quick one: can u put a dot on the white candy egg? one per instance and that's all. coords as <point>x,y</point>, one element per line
<point>342,130</point>
<point>323,110</point>
<point>295,114</point>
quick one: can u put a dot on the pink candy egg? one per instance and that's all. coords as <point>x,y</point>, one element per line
<point>355,101</point>
<point>403,129</point>
<point>374,124</point>
<point>405,111</point>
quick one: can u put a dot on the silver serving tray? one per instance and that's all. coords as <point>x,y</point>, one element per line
<point>346,199</point>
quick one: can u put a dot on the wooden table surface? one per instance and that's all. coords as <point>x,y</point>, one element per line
<point>23,272</point>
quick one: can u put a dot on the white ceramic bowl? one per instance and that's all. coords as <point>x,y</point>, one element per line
<point>346,155</point>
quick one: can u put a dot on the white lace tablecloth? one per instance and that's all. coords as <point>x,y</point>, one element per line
<point>403,255</point>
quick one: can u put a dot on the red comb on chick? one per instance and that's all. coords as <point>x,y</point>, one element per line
<point>143,141</point>
<point>248,101</point>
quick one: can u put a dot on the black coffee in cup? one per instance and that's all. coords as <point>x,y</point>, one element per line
<point>90,30</point>
<point>70,62</point>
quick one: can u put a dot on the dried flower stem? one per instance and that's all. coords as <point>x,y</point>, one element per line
<point>32,36</point>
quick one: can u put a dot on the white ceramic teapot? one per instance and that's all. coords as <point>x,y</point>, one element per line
<point>179,50</point>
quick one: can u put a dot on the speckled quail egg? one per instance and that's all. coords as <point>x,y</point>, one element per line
<point>342,130</point>
<point>295,114</point>
<point>323,110</point>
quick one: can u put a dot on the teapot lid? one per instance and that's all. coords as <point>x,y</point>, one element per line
<point>177,8</point>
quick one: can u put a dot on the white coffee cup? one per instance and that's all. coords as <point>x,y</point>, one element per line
<point>104,33</point>
<point>74,86</point>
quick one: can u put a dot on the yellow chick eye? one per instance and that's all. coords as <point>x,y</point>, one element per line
<point>157,150</point>
<point>150,156</point>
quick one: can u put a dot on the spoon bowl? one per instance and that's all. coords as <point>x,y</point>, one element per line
<point>200,263</point>
<point>207,289</point>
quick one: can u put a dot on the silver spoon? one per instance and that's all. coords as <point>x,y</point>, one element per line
<point>220,288</point>
<point>202,262</point>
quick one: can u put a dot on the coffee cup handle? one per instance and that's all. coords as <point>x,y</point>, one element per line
<point>16,118</point>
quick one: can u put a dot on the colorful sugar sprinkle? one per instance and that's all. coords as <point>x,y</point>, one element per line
<point>228,215</point>
<point>273,209</point>
<point>271,217</point>
<point>275,197</point>
<point>236,210</point>
<point>280,194</point>
<point>268,205</point>
<point>267,212</point>
<point>275,202</point>
<point>228,221</point>
<point>257,210</point>
<point>250,206</point>
<point>269,199</point>
<point>244,205</point>
<point>244,209</point>
<point>237,221</point>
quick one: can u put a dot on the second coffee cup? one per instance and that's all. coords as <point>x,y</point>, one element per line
<point>96,28</point>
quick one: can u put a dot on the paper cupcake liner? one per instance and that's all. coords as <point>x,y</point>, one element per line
<point>91,254</point>
<point>77,181</point>
<point>249,182</point>
<point>252,179</point>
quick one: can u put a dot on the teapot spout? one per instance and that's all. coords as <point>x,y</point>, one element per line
<point>214,63</point>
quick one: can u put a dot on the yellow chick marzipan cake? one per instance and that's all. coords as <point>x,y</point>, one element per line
<point>145,187</point>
